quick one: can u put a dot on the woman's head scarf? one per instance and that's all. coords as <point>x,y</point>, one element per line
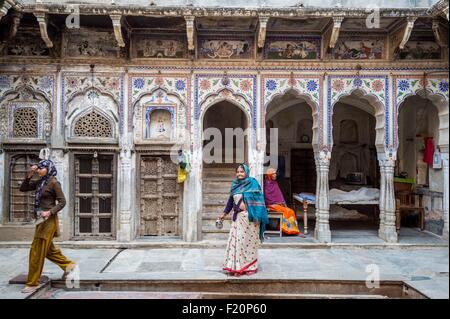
<point>51,171</point>
<point>253,198</point>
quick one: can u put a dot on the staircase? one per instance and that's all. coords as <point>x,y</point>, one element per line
<point>216,191</point>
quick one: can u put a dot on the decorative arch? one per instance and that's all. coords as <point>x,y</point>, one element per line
<point>307,87</point>
<point>228,96</point>
<point>89,104</point>
<point>158,99</point>
<point>435,89</point>
<point>373,89</point>
<point>15,101</point>
<point>317,140</point>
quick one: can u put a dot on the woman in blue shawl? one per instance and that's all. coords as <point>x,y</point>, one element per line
<point>249,223</point>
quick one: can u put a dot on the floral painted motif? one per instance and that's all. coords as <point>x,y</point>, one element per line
<point>404,85</point>
<point>292,82</point>
<point>271,85</point>
<point>113,84</point>
<point>443,86</point>
<point>45,82</point>
<point>358,82</point>
<point>311,86</point>
<point>246,85</point>
<point>159,81</point>
<point>377,85</point>
<point>138,83</point>
<point>338,85</point>
<point>205,85</point>
<point>180,85</point>
<point>72,82</point>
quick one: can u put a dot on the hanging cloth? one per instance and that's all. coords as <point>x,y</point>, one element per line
<point>429,151</point>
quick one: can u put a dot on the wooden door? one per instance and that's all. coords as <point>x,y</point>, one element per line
<point>303,171</point>
<point>94,195</point>
<point>21,204</point>
<point>159,197</point>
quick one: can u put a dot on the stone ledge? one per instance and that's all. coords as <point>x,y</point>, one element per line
<point>220,244</point>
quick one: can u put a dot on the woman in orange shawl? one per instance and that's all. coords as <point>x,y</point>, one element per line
<point>275,202</point>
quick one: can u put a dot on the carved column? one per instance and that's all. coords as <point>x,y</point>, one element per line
<point>2,184</point>
<point>445,160</point>
<point>387,229</point>
<point>322,231</point>
<point>125,230</point>
<point>192,214</point>
<point>61,162</point>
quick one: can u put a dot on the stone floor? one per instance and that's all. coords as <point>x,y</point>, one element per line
<point>423,268</point>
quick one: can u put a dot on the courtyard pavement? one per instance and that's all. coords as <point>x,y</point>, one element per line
<point>425,269</point>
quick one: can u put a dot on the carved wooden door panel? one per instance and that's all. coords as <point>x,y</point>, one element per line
<point>159,197</point>
<point>21,203</point>
<point>94,195</point>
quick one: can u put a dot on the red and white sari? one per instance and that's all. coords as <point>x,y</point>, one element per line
<point>242,248</point>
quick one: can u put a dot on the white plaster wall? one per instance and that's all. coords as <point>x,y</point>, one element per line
<point>286,121</point>
<point>366,159</point>
<point>418,118</point>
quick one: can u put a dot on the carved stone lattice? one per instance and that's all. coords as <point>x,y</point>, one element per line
<point>25,122</point>
<point>93,125</point>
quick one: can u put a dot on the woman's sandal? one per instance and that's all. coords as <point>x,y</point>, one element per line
<point>29,289</point>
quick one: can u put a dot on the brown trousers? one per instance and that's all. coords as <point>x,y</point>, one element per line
<point>42,248</point>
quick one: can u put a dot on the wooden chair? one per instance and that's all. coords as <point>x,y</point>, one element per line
<point>405,201</point>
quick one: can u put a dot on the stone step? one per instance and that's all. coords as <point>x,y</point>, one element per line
<point>216,198</point>
<point>210,223</point>
<point>217,201</point>
<point>215,236</point>
<point>216,184</point>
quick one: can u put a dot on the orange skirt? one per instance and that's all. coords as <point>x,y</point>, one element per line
<point>289,224</point>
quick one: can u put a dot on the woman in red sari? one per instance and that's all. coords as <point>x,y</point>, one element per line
<point>275,202</point>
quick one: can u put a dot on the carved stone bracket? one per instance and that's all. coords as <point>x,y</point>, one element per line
<point>439,34</point>
<point>42,20</point>
<point>334,34</point>
<point>16,17</point>
<point>117,25</point>
<point>400,37</point>
<point>262,31</point>
<point>5,6</point>
<point>407,32</point>
<point>190,29</point>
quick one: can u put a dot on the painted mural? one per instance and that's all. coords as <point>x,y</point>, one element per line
<point>24,45</point>
<point>293,49</point>
<point>158,123</point>
<point>144,47</point>
<point>225,49</point>
<point>91,44</point>
<point>420,50</point>
<point>358,49</point>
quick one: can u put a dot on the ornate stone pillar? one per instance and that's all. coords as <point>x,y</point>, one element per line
<point>322,230</point>
<point>387,229</point>
<point>2,185</point>
<point>192,214</point>
<point>61,161</point>
<point>445,160</point>
<point>125,231</point>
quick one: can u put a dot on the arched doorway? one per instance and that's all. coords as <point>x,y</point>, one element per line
<point>224,146</point>
<point>418,141</point>
<point>354,169</point>
<point>291,119</point>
